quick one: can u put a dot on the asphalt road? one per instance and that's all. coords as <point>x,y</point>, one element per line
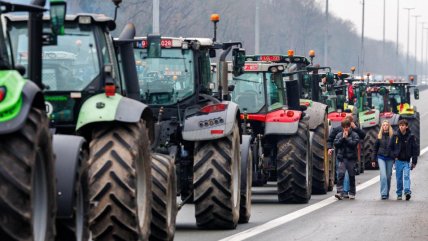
<point>324,218</point>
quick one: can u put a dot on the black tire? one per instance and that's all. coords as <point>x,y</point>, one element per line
<point>414,126</point>
<point>164,192</point>
<point>77,228</point>
<point>120,182</point>
<point>331,172</point>
<point>27,181</point>
<point>368,145</point>
<point>320,177</point>
<point>246,180</point>
<point>294,167</point>
<point>216,181</point>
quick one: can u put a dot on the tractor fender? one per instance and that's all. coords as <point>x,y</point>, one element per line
<point>245,147</point>
<point>369,118</point>
<point>198,127</point>
<point>100,108</point>
<point>31,97</point>
<point>278,123</point>
<point>317,112</point>
<point>393,121</point>
<point>67,149</point>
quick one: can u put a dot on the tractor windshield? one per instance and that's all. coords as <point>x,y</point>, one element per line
<point>249,92</point>
<point>68,66</point>
<point>165,80</point>
<point>378,101</point>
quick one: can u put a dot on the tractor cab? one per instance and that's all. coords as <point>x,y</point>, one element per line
<point>80,65</point>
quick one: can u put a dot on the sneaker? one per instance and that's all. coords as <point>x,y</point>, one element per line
<point>399,198</point>
<point>384,197</point>
<point>351,196</point>
<point>345,195</point>
<point>408,196</point>
<point>338,196</point>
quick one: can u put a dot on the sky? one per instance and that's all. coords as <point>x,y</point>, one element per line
<point>373,28</point>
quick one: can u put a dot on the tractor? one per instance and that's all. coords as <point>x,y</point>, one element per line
<point>279,129</point>
<point>297,66</point>
<point>196,125</point>
<point>27,161</point>
<point>106,195</point>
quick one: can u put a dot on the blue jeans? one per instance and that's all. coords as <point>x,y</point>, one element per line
<point>345,181</point>
<point>402,169</point>
<point>385,168</point>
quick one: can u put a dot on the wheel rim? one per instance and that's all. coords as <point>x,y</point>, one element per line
<point>235,176</point>
<point>40,198</point>
<point>79,213</point>
<point>141,190</point>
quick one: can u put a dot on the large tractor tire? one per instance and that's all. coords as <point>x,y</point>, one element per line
<point>414,126</point>
<point>368,145</point>
<point>76,228</point>
<point>164,191</point>
<point>246,179</point>
<point>27,181</point>
<point>320,177</point>
<point>216,181</point>
<point>294,167</point>
<point>120,182</point>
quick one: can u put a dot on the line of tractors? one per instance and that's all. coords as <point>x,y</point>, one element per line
<point>100,135</point>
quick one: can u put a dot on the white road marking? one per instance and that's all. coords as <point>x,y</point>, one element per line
<point>296,214</point>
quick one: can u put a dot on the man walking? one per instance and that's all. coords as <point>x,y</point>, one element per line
<point>346,143</point>
<point>404,147</point>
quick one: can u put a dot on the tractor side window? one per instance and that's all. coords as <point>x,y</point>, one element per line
<point>205,74</point>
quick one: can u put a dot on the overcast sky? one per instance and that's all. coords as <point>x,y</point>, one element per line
<point>352,10</point>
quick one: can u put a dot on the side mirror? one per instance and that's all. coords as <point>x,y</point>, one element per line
<point>330,78</point>
<point>212,53</point>
<point>238,55</point>
<point>57,14</point>
<point>154,46</point>
<point>416,93</point>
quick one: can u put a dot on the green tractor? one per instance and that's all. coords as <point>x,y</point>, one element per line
<point>297,66</point>
<point>27,162</point>
<point>197,126</point>
<point>83,89</point>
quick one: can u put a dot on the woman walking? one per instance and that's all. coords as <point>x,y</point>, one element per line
<point>382,154</point>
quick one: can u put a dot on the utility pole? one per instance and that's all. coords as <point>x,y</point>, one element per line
<point>408,39</point>
<point>362,43</point>
<point>257,28</point>
<point>326,35</point>
<point>397,61</point>
<point>384,21</point>
<point>156,17</point>
<point>416,42</point>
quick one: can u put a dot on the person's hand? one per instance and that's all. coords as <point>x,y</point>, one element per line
<point>330,151</point>
<point>373,164</point>
<point>345,134</point>
<point>353,126</point>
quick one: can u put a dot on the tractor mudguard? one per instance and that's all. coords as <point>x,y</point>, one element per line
<point>279,123</point>
<point>20,96</point>
<point>67,149</point>
<point>316,111</point>
<point>211,126</point>
<point>100,108</point>
<point>369,118</point>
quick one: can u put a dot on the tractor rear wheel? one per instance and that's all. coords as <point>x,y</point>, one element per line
<point>216,181</point>
<point>320,177</point>
<point>246,179</point>
<point>164,191</point>
<point>294,167</point>
<point>368,145</point>
<point>27,181</point>
<point>120,182</point>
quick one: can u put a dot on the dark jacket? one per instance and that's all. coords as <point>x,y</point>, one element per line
<point>404,147</point>
<point>382,147</point>
<point>347,147</point>
<point>337,129</point>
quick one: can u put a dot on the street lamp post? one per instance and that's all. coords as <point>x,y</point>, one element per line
<point>326,35</point>
<point>156,17</point>
<point>416,42</point>
<point>362,42</point>
<point>408,39</point>
<point>422,49</point>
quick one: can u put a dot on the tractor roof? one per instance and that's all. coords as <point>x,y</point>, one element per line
<point>177,42</point>
<point>278,58</point>
<point>256,66</point>
<point>98,18</point>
